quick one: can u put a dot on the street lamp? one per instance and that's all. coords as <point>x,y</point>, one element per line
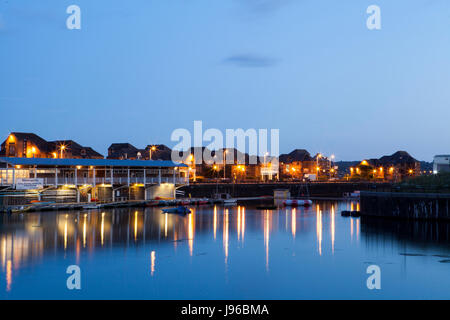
<point>152,148</point>
<point>225,151</point>
<point>62,148</point>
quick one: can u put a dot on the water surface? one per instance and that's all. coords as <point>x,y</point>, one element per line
<point>221,253</point>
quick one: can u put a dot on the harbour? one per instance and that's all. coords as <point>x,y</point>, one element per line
<point>304,252</point>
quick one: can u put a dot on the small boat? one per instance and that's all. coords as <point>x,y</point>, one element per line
<point>297,203</point>
<point>352,195</point>
<point>90,206</point>
<point>346,213</point>
<point>177,210</point>
<point>229,202</point>
<point>19,209</point>
<point>355,214</point>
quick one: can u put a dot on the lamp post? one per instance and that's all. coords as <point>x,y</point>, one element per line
<point>152,148</point>
<point>225,151</point>
<point>331,164</point>
<point>61,148</point>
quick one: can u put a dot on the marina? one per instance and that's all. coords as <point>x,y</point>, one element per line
<point>221,252</point>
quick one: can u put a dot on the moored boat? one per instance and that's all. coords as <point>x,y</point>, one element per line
<point>177,210</point>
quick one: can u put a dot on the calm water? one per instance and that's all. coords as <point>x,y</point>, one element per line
<point>221,253</point>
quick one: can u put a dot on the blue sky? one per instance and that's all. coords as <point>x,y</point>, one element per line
<point>139,69</point>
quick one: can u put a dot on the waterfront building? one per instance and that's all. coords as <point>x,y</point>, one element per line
<point>101,179</point>
<point>30,145</point>
<point>123,151</point>
<point>441,163</point>
<point>395,167</point>
<point>297,164</point>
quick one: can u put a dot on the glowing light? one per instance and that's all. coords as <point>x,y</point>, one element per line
<point>319,228</point>
<point>84,231</point>
<point>215,222</point>
<point>102,229</point>
<point>135,225</point>
<point>351,228</point>
<point>225,235</point>
<point>294,222</point>
<point>333,228</point>
<point>65,233</point>
<point>191,232</point>
<point>152,262</point>
<point>8,275</point>
<point>239,223</point>
<point>266,238</point>
<point>243,224</point>
<point>165,225</point>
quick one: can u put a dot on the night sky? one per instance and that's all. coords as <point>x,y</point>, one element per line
<point>139,69</point>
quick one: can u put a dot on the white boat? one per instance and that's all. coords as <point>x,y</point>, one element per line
<point>229,202</point>
<point>225,198</point>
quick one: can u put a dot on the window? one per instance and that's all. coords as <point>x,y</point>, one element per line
<point>12,149</point>
<point>25,147</point>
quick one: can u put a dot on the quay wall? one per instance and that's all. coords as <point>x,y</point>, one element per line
<point>427,206</point>
<point>315,189</point>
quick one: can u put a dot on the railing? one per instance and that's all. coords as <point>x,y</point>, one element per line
<point>106,180</point>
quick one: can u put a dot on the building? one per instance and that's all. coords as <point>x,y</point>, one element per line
<point>126,150</point>
<point>299,165</point>
<point>296,164</point>
<point>30,145</point>
<point>86,179</point>
<point>72,150</point>
<point>441,163</point>
<point>395,167</point>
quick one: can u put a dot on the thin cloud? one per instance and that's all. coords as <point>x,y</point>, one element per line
<point>264,6</point>
<point>250,61</point>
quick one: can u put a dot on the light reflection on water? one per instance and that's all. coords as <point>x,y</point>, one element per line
<point>264,254</point>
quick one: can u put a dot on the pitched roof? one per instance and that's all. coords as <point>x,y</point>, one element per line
<point>75,148</point>
<point>41,143</point>
<point>118,150</point>
<point>296,155</point>
<point>398,158</point>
